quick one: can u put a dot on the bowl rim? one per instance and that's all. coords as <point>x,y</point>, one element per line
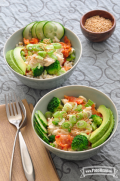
<point>53,78</point>
<point>74,152</point>
<point>98,33</point>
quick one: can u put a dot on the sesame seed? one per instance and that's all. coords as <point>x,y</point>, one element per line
<point>98,24</point>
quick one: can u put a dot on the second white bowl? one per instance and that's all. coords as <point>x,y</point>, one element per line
<point>45,83</point>
<point>90,93</point>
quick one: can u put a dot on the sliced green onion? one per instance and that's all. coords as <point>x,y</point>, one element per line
<point>42,53</point>
<point>61,71</point>
<point>29,53</point>
<point>39,57</point>
<point>89,103</point>
<point>72,119</point>
<point>49,47</point>
<point>57,45</point>
<point>66,125</point>
<point>22,53</point>
<point>57,114</point>
<point>67,107</point>
<point>63,114</point>
<point>89,127</point>
<point>50,52</point>
<point>85,114</point>
<point>53,56</point>
<point>71,57</point>
<point>94,126</point>
<point>23,58</point>
<point>81,124</point>
<point>29,47</point>
<point>79,108</point>
<point>28,67</point>
<point>55,121</point>
<point>48,114</point>
<point>79,116</point>
<point>36,47</point>
<point>60,114</point>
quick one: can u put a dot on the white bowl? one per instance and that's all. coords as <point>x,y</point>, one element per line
<point>90,93</point>
<point>45,83</point>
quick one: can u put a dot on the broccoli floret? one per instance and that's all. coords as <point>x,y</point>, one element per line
<point>37,71</point>
<point>54,105</point>
<point>53,68</point>
<point>79,143</point>
<point>52,138</point>
<point>97,119</point>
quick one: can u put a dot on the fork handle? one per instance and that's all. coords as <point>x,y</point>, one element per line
<point>11,164</point>
<point>26,159</point>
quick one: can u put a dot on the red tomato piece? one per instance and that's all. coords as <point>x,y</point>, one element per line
<point>64,141</point>
<point>26,41</point>
<point>74,99</point>
<point>34,40</point>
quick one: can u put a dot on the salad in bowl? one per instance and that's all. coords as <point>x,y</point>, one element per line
<point>74,123</point>
<point>42,54</point>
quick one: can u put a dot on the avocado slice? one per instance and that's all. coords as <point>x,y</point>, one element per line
<point>11,62</point>
<point>18,59</point>
<point>99,132</point>
<point>107,133</point>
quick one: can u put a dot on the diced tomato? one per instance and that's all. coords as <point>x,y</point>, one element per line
<point>64,141</point>
<point>67,41</point>
<point>74,99</point>
<point>66,52</point>
<point>94,111</point>
<point>57,136</point>
<point>34,40</point>
<point>66,45</point>
<point>26,41</point>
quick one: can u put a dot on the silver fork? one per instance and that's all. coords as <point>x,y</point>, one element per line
<point>15,117</point>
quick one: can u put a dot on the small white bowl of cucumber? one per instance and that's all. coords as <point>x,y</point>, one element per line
<point>75,122</point>
<point>46,54</point>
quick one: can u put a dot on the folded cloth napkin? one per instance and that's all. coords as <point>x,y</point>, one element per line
<point>42,161</point>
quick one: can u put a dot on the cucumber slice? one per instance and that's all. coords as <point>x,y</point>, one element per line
<point>33,30</point>
<point>39,131</point>
<point>42,118</point>
<point>44,130</point>
<point>39,29</point>
<point>27,31</point>
<point>52,29</point>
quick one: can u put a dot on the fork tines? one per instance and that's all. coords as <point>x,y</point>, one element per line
<point>12,106</point>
